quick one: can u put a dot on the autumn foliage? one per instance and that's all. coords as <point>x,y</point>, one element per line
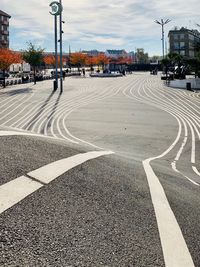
<point>91,61</point>
<point>121,60</point>
<point>102,59</point>
<point>8,57</point>
<point>49,60</point>
<point>78,59</point>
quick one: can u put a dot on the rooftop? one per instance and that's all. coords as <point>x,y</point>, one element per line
<point>2,13</point>
<point>118,52</point>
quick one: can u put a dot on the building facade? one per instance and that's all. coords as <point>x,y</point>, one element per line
<point>91,53</point>
<point>116,53</point>
<point>183,41</point>
<point>4,29</point>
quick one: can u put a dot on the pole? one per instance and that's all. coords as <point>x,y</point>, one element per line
<point>56,54</point>
<point>162,23</point>
<point>163,39</point>
<point>61,72</point>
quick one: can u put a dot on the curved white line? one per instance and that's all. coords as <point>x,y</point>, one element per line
<point>169,230</point>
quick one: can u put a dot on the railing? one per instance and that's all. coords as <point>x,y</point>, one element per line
<point>4,32</point>
<point>4,42</point>
<point>4,22</point>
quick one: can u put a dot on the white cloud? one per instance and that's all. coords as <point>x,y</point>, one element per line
<point>99,23</point>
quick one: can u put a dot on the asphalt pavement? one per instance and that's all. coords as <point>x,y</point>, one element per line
<point>126,188</point>
<point>98,214</point>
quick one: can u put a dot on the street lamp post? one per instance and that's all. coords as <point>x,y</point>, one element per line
<point>61,62</point>
<point>56,54</point>
<point>162,23</point>
<point>56,10</point>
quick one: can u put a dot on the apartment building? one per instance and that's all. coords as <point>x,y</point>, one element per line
<point>4,29</point>
<point>116,53</point>
<point>183,41</point>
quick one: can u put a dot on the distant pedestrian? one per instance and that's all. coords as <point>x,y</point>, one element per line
<point>83,71</point>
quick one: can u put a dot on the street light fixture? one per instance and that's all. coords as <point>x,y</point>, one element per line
<point>162,23</point>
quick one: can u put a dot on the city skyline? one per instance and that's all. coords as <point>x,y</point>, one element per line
<point>106,25</point>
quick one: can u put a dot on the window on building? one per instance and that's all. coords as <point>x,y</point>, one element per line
<point>191,53</point>
<point>182,52</point>
<point>175,36</point>
<point>176,45</point>
<point>182,45</point>
<point>182,36</point>
<point>4,38</point>
<point>191,45</point>
<point>191,37</point>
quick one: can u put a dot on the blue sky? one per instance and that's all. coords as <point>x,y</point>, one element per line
<point>101,25</point>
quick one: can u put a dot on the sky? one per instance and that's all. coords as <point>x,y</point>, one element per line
<point>99,24</point>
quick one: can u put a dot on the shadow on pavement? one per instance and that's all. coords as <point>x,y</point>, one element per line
<point>31,123</point>
<point>17,91</point>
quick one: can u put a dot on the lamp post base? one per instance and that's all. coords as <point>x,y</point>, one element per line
<point>55,85</point>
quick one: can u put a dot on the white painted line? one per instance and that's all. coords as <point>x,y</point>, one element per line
<point>193,182</point>
<point>195,170</point>
<point>7,133</point>
<point>181,148</point>
<point>16,190</point>
<point>173,164</point>
<point>51,171</point>
<point>175,250</point>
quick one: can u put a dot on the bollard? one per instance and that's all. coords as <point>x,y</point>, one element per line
<point>188,86</point>
<point>55,85</point>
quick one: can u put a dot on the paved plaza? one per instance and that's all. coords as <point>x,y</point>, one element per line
<point>105,174</point>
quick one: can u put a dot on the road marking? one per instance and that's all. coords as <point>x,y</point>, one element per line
<point>51,171</point>
<point>175,250</point>
<point>16,190</point>
<point>195,170</point>
<point>173,164</point>
<point>7,133</point>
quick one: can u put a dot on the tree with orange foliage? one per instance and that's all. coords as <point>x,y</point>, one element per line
<point>78,59</point>
<point>91,61</point>
<point>51,60</point>
<point>102,60</point>
<point>124,60</point>
<point>8,57</point>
